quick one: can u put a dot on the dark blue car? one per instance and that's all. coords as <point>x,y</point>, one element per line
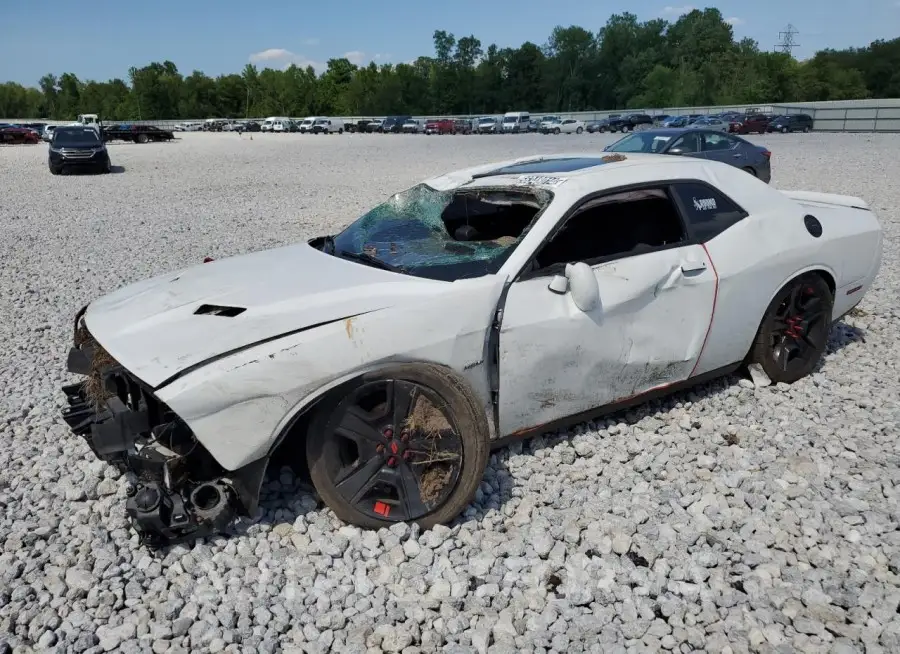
<point>702,143</point>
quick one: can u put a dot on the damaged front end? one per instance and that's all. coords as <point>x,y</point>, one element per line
<point>176,490</point>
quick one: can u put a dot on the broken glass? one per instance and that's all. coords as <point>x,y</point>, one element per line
<point>444,234</point>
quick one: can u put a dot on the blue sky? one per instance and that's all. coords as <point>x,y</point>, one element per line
<point>102,39</point>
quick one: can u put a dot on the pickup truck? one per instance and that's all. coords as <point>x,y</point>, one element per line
<point>629,123</point>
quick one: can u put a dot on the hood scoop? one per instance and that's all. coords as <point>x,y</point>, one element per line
<point>217,310</point>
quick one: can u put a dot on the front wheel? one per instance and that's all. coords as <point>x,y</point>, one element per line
<point>142,138</point>
<point>405,445</point>
<point>340,131</point>
<point>794,331</point>
<point>55,170</point>
<point>785,130</point>
<point>556,131</point>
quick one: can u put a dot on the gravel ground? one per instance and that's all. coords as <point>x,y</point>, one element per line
<point>725,519</point>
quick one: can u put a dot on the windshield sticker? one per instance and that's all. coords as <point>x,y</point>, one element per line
<point>704,204</point>
<point>541,180</point>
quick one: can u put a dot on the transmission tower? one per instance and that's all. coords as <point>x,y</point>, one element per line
<point>786,42</point>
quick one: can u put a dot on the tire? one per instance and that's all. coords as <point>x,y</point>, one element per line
<point>748,169</point>
<point>806,130</point>
<point>141,138</point>
<point>556,131</point>
<point>785,130</point>
<point>54,170</point>
<point>107,167</point>
<point>603,130</point>
<point>439,492</point>
<point>579,130</point>
<point>795,327</point>
<point>340,131</point>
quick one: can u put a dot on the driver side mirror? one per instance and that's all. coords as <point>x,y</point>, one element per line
<point>581,284</point>
<point>675,151</point>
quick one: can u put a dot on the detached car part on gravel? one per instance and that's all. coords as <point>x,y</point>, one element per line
<point>487,304</point>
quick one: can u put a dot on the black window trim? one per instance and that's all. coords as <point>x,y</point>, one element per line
<point>525,273</point>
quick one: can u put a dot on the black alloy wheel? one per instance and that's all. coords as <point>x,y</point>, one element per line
<point>794,332</point>
<point>400,448</point>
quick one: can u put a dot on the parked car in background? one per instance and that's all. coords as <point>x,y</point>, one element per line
<point>548,123</point>
<point>15,134</point>
<point>601,126</point>
<point>701,143</point>
<point>515,122</point>
<point>629,122</point>
<point>660,119</point>
<point>710,122</point>
<point>77,147</point>
<point>440,126</point>
<point>488,125</point>
<point>414,126</point>
<point>306,125</point>
<point>749,124</point>
<point>565,126</point>
<point>393,124</point>
<point>48,133</point>
<point>328,126</point>
<point>188,127</point>
<point>375,125</point>
<point>357,126</point>
<point>462,126</point>
<point>675,121</point>
<point>791,123</point>
<point>253,126</point>
<point>281,125</point>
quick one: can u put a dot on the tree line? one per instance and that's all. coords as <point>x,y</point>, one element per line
<point>693,61</point>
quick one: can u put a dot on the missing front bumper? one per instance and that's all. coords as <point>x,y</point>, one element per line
<point>175,493</point>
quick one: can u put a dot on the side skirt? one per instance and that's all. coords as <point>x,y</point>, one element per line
<point>621,405</point>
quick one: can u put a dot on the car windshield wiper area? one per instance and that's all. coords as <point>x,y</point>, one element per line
<point>369,260</point>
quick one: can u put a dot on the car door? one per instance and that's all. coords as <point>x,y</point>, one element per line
<point>721,147</point>
<point>688,144</point>
<point>656,298</point>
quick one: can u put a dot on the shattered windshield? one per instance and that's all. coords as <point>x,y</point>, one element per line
<point>444,235</point>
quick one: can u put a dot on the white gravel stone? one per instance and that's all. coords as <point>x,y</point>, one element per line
<point>737,516</point>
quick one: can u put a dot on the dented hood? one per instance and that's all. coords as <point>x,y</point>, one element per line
<point>152,327</point>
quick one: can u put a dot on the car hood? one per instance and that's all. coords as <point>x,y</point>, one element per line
<point>153,330</point>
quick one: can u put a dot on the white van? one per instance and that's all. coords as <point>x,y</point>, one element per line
<point>328,126</point>
<point>281,125</point>
<point>269,123</point>
<point>515,122</point>
<point>306,125</point>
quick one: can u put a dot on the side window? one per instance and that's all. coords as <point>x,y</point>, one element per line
<point>688,143</point>
<point>707,210</point>
<point>611,226</point>
<point>717,141</point>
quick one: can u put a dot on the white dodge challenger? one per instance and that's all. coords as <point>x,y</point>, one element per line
<point>490,303</point>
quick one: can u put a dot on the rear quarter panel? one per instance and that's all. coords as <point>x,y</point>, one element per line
<point>757,256</point>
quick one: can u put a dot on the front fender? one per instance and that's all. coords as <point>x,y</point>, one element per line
<point>239,406</point>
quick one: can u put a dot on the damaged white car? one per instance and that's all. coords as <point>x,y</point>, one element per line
<point>490,303</point>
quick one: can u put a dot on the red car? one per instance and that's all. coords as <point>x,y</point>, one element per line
<point>442,126</point>
<point>18,135</point>
<point>749,124</point>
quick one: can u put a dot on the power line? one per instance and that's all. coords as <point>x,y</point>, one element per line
<point>786,42</point>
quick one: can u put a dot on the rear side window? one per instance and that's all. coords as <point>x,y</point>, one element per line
<point>708,211</point>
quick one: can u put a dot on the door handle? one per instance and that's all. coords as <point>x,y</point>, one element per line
<point>692,265</point>
<point>737,156</point>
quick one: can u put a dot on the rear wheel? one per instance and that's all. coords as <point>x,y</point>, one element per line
<point>750,170</point>
<point>806,130</point>
<point>556,131</point>
<point>407,445</point>
<point>794,332</point>
<point>579,130</point>
<point>785,130</point>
